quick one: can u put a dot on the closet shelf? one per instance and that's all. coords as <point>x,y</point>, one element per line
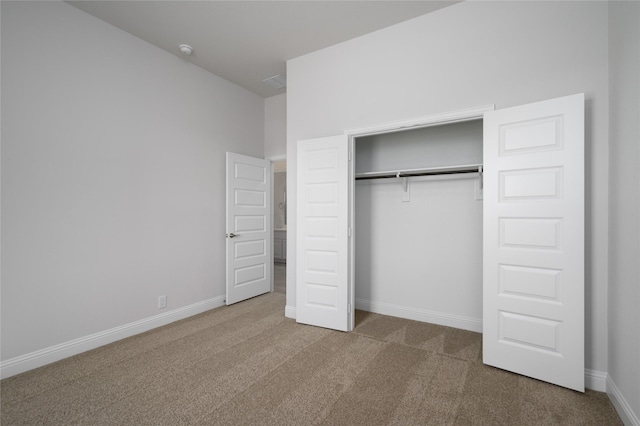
<point>446,170</point>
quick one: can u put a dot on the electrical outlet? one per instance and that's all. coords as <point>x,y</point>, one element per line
<point>162,302</point>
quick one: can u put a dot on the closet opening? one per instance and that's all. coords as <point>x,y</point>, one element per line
<point>418,224</point>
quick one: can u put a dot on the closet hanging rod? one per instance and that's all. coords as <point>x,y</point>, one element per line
<point>448,170</point>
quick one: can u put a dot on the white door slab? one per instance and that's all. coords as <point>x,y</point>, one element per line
<point>533,271</point>
<point>323,251</point>
<point>249,241</point>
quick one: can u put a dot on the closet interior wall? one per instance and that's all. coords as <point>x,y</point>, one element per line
<point>420,258</point>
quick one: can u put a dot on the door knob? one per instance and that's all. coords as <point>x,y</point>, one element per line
<point>232,235</point>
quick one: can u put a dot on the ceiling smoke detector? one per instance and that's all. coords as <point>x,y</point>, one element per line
<point>277,81</point>
<point>186,49</point>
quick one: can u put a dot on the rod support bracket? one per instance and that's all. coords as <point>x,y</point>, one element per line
<point>405,187</point>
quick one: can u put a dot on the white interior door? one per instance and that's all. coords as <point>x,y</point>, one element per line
<point>248,227</point>
<point>323,248</point>
<point>533,307</point>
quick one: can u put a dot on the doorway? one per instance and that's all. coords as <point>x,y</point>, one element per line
<point>418,224</point>
<point>279,226</point>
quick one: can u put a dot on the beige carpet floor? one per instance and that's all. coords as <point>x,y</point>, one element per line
<point>248,365</point>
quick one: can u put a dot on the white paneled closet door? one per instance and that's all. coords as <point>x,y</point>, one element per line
<point>533,266</point>
<point>323,244</point>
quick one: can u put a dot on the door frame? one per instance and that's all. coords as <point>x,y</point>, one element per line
<point>450,117</point>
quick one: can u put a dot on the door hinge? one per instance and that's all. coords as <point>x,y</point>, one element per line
<point>349,232</point>
<point>349,155</point>
<point>349,308</point>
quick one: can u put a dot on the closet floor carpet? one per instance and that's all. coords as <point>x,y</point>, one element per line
<point>247,364</point>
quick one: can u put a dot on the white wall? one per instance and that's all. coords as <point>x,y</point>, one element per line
<point>420,259</point>
<point>624,205</point>
<point>275,126</point>
<point>467,55</point>
<point>113,159</point>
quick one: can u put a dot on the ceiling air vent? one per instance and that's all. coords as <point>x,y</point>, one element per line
<point>277,81</point>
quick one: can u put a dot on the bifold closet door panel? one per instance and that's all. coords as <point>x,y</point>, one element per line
<point>323,244</point>
<point>424,255</point>
<point>533,303</point>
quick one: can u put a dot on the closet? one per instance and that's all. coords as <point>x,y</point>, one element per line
<point>409,244</point>
<point>418,224</point>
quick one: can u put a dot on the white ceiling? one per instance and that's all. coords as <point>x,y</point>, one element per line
<point>246,42</point>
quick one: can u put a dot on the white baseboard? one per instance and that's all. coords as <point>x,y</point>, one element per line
<point>595,380</point>
<point>45,356</point>
<point>290,312</point>
<point>449,320</point>
<point>628,417</point>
